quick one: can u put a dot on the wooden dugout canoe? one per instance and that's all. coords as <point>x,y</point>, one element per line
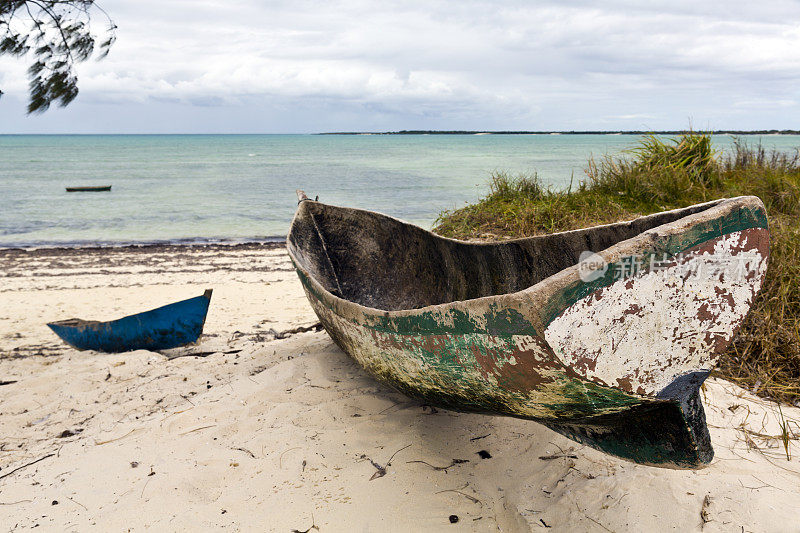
<point>169,326</point>
<point>519,328</point>
<point>99,188</point>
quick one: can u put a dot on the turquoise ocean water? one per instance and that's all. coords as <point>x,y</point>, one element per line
<point>195,188</point>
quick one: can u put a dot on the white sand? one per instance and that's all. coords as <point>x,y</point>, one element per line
<point>279,435</point>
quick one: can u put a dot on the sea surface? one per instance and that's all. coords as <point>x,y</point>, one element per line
<point>210,188</point>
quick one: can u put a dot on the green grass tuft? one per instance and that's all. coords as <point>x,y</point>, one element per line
<point>658,175</point>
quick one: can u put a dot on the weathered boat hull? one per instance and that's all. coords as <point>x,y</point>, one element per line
<point>170,326</point>
<point>514,328</point>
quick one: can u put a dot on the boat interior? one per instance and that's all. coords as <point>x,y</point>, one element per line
<point>383,263</point>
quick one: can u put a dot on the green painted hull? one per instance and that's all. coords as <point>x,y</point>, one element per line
<point>486,327</point>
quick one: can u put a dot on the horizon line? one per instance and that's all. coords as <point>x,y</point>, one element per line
<point>464,132</point>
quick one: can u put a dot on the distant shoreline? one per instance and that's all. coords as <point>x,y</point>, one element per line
<point>49,248</point>
<point>571,132</point>
<point>415,132</point>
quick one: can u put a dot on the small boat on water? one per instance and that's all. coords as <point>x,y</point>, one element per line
<point>99,188</point>
<point>170,326</point>
<point>562,329</point>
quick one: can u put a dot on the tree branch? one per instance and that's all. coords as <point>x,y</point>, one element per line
<point>60,37</point>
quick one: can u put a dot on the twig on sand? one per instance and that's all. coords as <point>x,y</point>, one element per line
<point>589,517</point>
<point>557,456</point>
<point>467,496</point>
<point>473,439</point>
<point>470,498</point>
<point>170,357</point>
<point>197,429</point>
<point>767,484</point>
<point>395,453</point>
<point>27,465</point>
<point>245,450</point>
<point>775,464</point>
<point>391,406</point>
<point>440,468</point>
<point>280,459</point>
<point>173,414</point>
<point>381,470</point>
<point>78,503</point>
<point>753,446</point>
<point>763,486</point>
<point>596,522</point>
<point>560,448</point>
<point>317,326</point>
<point>145,486</point>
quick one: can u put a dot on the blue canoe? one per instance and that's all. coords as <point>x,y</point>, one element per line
<point>159,329</point>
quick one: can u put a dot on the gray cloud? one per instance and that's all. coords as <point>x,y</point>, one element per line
<point>304,66</point>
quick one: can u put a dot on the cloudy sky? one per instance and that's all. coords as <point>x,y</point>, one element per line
<point>255,66</point>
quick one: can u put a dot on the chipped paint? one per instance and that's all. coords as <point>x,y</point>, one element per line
<point>516,375</point>
<point>393,297</point>
<point>639,334</point>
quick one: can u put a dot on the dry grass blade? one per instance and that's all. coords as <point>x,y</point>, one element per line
<point>26,465</point>
<point>458,491</point>
<point>381,470</point>
<point>453,463</point>
<point>785,435</point>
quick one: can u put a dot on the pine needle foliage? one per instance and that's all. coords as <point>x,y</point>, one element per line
<point>57,34</point>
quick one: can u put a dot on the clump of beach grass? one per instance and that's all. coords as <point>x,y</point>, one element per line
<point>660,174</point>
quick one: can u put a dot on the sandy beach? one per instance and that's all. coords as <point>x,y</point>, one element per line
<point>268,430</point>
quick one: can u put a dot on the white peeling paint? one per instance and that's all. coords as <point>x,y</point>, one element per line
<point>646,330</point>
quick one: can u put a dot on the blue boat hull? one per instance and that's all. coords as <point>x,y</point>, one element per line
<point>166,327</point>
